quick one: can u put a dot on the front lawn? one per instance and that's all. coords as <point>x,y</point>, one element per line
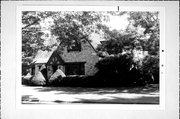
<point>59,95</point>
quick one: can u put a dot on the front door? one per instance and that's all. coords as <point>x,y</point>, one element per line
<point>54,68</point>
<point>44,72</point>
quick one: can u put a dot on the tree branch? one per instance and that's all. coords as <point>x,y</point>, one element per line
<point>30,24</point>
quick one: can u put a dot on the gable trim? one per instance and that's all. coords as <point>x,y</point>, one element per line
<point>55,54</point>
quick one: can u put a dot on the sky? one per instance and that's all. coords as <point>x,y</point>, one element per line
<point>116,22</point>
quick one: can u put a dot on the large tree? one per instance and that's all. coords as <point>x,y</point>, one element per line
<point>67,28</point>
<point>70,27</point>
<point>116,42</point>
<point>32,34</point>
<point>149,21</point>
<point>132,38</point>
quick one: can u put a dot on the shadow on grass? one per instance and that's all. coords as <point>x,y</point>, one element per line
<point>117,95</point>
<point>117,100</point>
<point>81,90</point>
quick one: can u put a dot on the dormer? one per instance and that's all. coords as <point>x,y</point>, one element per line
<point>74,46</point>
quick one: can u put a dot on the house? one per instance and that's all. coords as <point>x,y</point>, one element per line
<point>39,62</point>
<point>77,59</point>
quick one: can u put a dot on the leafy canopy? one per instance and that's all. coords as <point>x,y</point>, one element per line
<point>67,27</point>
<point>132,38</point>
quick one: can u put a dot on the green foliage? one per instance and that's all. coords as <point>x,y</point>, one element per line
<point>75,26</point>
<point>116,42</point>
<point>67,27</point>
<point>150,69</point>
<point>117,64</point>
<point>31,35</point>
<point>118,71</point>
<point>132,38</point>
<point>123,70</point>
<point>149,21</point>
<point>25,68</point>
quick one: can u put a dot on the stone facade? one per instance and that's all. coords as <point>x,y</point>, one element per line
<point>87,55</point>
<point>61,57</point>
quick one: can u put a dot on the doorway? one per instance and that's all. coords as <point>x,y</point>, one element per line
<point>54,68</point>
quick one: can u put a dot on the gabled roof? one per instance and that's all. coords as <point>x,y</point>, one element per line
<point>91,45</point>
<point>55,58</point>
<point>42,57</point>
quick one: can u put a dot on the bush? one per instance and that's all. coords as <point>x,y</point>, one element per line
<point>83,81</point>
<point>116,64</point>
<point>72,81</point>
<point>35,80</point>
<point>26,81</point>
<point>118,71</point>
<point>150,69</point>
<point>25,69</point>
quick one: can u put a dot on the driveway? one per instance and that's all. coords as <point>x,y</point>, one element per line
<point>59,95</point>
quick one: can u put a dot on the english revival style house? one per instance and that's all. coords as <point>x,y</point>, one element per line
<point>77,59</point>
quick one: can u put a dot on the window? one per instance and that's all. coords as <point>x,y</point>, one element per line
<point>74,69</point>
<point>74,46</point>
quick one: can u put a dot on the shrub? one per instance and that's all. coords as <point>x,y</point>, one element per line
<point>116,64</point>
<point>150,69</point>
<point>26,81</point>
<point>118,71</point>
<point>35,80</point>
<point>73,81</point>
<point>38,79</point>
<point>25,68</point>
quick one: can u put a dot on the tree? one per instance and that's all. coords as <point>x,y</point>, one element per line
<point>70,27</point>
<point>150,69</point>
<point>149,41</point>
<point>67,28</point>
<point>142,33</point>
<point>149,21</point>
<point>116,42</point>
<point>32,34</point>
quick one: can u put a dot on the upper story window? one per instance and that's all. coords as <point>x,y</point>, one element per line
<point>74,46</point>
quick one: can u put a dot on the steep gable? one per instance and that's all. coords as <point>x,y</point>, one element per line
<point>87,50</point>
<point>55,59</point>
<point>42,57</point>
